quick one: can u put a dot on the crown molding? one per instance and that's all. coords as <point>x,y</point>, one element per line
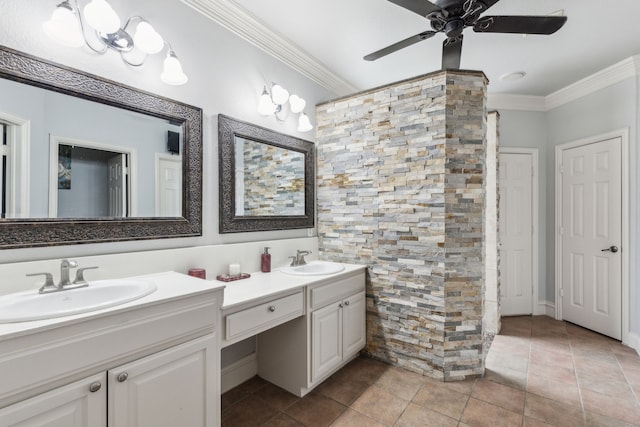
<point>616,73</point>
<point>242,23</point>
<point>506,101</point>
<point>625,69</point>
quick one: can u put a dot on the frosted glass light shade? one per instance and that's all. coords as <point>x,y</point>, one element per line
<point>279,94</point>
<point>64,26</point>
<point>266,107</point>
<point>304,125</point>
<point>172,73</point>
<point>147,39</point>
<point>297,104</point>
<point>101,16</point>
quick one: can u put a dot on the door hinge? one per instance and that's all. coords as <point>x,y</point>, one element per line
<point>561,231</point>
<point>4,150</point>
<point>561,292</point>
<point>561,168</point>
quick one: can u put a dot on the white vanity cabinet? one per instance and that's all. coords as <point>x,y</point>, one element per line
<point>337,334</point>
<point>79,404</point>
<point>170,388</point>
<point>300,354</point>
<point>154,364</point>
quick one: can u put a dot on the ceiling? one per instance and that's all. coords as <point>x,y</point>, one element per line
<point>338,33</point>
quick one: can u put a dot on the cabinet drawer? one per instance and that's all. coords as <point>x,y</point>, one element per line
<point>335,291</point>
<point>256,319</point>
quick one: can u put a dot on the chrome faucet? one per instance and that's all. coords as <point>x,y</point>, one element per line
<point>65,281</point>
<point>298,259</point>
<point>65,265</point>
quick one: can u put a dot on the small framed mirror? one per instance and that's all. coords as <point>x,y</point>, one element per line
<point>267,179</point>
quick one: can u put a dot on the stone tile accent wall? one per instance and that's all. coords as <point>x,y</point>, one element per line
<point>273,180</point>
<point>400,188</point>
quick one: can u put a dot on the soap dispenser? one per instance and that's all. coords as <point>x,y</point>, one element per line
<point>265,261</point>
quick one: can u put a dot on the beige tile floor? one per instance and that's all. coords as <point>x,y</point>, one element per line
<point>539,372</point>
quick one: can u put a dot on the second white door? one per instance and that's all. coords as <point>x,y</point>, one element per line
<point>515,181</point>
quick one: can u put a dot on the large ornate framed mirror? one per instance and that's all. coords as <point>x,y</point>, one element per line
<point>267,179</point>
<point>89,160</point>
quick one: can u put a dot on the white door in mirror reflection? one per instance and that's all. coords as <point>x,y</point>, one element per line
<point>89,179</point>
<point>14,169</point>
<point>168,185</point>
<point>117,185</point>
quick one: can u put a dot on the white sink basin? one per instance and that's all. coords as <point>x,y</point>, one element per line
<point>314,268</point>
<point>31,305</point>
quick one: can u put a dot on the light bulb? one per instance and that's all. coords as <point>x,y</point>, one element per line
<point>172,73</point>
<point>279,94</point>
<point>304,125</point>
<point>266,107</point>
<point>297,104</point>
<point>101,16</point>
<point>64,26</point>
<point>147,39</point>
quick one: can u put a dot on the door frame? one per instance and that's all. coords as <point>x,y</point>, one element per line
<point>56,140</point>
<point>623,134</point>
<point>19,143</point>
<point>538,307</point>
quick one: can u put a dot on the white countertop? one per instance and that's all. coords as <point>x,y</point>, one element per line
<point>262,285</point>
<point>170,285</point>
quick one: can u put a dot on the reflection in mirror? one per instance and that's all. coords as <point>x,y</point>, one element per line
<point>93,126</point>
<point>267,179</point>
<point>65,134</point>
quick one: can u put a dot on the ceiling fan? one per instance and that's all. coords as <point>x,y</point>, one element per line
<point>451,17</point>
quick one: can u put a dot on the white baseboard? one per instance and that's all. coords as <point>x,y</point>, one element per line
<point>633,341</point>
<point>546,308</point>
<point>238,372</point>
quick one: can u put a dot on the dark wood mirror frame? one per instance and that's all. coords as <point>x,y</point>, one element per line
<point>20,233</point>
<point>228,129</point>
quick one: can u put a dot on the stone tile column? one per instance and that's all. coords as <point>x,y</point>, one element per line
<point>400,188</point>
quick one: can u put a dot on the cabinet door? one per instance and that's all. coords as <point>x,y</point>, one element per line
<point>73,405</point>
<point>326,344</point>
<point>175,387</point>
<point>354,324</point>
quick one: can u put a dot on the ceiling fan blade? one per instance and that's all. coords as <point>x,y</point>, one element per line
<point>451,53</point>
<point>489,3</point>
<point>520,24</point>
<point>400,45</point>
<point>421,7</point>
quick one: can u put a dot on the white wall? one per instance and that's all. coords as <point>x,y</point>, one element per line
<point>226,75</point>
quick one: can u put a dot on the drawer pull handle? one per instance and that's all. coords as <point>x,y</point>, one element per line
<point>340,305</point>
<point>122,377</point>
<point>272,308</point>
<point>95,387</point>
<point>346,303</point>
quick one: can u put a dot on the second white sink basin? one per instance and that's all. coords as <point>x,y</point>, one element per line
<point>31,305</point>
<point>314,268</point>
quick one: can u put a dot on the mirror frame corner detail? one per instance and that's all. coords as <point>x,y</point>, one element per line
<point>21,233</point>
<point>229,222</point>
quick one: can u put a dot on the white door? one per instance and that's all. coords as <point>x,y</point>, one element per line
<point>515,181</point>
<point>168,186</point>
<point>591,233</point>
<point>175,387</point>
<point>80,404</point>
<point>117,185</point>
<point>354,324</point>
<point>326,340</point>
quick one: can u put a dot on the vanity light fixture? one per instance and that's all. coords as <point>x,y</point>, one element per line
<point>99,27</point>
<point>280,103</point>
